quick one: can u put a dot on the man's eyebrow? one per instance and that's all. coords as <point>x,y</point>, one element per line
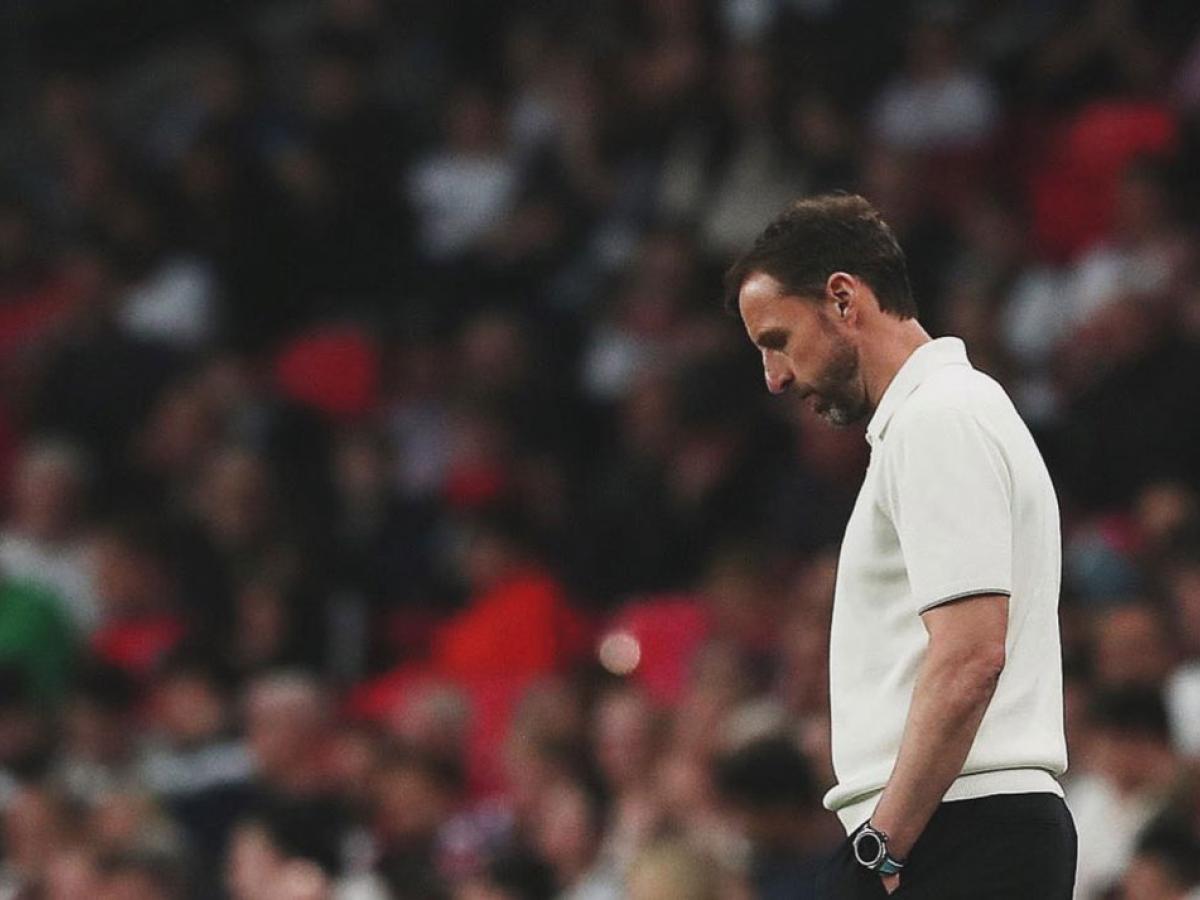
<point>772,339</point>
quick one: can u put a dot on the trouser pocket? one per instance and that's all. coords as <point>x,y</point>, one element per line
<point>844,879</point>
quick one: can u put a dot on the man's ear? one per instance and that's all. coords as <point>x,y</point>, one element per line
<point>841,290</point>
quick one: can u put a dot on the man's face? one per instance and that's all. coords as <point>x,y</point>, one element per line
<point>804,349</point>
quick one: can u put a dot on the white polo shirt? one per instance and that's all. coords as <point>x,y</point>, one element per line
<point>956,501</point>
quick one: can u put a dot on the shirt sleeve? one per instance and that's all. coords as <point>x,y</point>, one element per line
<point>948,492</point>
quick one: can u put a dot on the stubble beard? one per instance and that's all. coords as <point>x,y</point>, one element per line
<point>842,402</point>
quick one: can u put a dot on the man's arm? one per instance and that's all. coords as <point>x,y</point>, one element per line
<point>954,686</point>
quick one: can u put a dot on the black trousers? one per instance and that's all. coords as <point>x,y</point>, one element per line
<point>1004,847</point>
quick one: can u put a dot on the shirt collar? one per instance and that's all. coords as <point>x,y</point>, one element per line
<point>921,363</point>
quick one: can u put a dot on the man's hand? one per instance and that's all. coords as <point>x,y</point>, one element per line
<point>891,882</point>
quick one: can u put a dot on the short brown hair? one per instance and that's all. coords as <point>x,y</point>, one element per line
<point>817,236</point>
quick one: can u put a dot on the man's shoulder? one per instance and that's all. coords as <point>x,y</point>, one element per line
<point>955,394</point>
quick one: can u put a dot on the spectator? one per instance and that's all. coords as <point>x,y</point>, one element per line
<point>433,719</point>
<point>73,875</point>
<point>467,186</point>
<point>100,748</point>
<point>512,593</point>
<point>36,291</point>
<point>728,172</point>
<point>274,858</point>
<point>414,797</point>
<point>937,102</point>
<point>34,827</point>
<point>140,622</point>
<point>1165,864</point>
<point>1182,574</point>
<point>568,832</point>
<point>288,734</point>
<point>1143,257</point>
<point>42,543</point>
<point>626,733</point>
<point>768,786</point>
<point>26,742</point>
<point>193,763</point>
<point>1133,770</point>
<point>167,297</point>
<point>242,571</point>
<point>646,318</point>
<point>540,749</point>
<point>36,637</point>
<point>1132,646</point>
<point>95,382</point>
<point>287,717</point>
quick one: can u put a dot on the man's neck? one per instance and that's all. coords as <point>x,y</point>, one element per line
<point>894,342</point>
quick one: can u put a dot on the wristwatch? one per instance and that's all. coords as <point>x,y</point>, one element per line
<point>870,849</point>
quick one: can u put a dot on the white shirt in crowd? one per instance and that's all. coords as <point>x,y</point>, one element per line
<point>175,304</point>
<point>61,569</point>
<point>1108,826</point>
<point>459,198</point>
<point>943,113</point>
<point>956,502</point>
<point>1182,696</point>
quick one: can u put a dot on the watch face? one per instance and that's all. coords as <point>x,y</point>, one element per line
<point>868,849</point>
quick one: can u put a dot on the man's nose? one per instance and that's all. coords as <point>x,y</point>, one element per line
<point>777,372</point>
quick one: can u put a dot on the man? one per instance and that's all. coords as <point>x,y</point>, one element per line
<point>767,786</point>
<point>1133,773</point>
<point>945,659</point>
<point>1166,863</point>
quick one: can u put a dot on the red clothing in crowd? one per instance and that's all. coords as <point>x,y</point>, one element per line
<point>138,645</point>
<point>522,626</point>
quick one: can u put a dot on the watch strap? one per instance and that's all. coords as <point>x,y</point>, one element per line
<point>889,866</point>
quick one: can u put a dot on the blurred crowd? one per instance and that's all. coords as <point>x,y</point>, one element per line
<point>390,510</point>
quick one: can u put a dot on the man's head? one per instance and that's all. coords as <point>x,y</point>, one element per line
<point>1131,739</point>
<point>414,794</point>
<point>817,280</point>
<point>570,823</point>
<point>1166,862</point>
<point>48,491</point>
<point>191,700</point>
<point>287,717</point>
<point>768,787</point>
<point>1133,645</point>
<point>97,715</point>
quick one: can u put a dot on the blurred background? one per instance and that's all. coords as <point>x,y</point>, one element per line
<point>390,510</point>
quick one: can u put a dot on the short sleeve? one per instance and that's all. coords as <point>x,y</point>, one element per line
<point>948,491</point>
